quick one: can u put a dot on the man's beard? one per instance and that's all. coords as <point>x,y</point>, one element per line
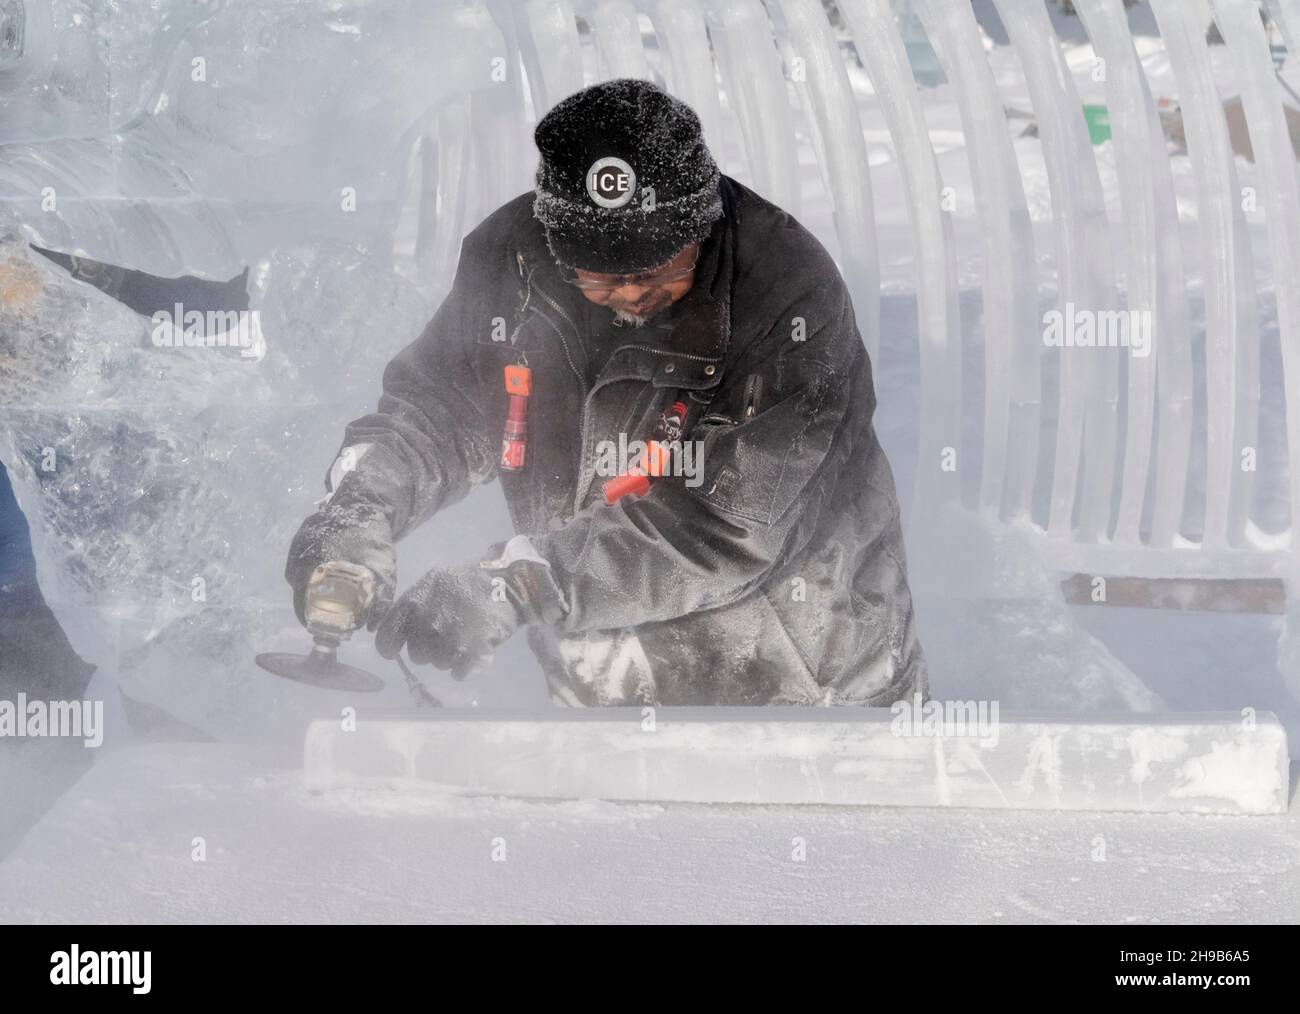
<point>624,319</point>
<point>640,313</point>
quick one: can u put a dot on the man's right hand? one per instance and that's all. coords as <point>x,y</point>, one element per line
<point>351,533</point>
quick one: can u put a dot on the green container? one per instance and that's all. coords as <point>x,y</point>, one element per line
<point>1098,118</point>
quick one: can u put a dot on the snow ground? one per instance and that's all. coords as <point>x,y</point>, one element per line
<point>118,847</point>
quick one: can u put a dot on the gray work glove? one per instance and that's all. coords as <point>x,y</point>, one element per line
<point>456,619</point>
<point>350,533</point>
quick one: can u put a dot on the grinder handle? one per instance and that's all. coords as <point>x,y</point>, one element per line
<point>338,594</point>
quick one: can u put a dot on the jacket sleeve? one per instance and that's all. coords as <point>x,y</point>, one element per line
<point>427,444</point>
<point>683,546</point>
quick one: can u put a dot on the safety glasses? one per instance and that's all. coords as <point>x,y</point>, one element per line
<point>654,278</point>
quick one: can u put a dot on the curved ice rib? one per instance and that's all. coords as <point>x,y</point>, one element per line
<point>1089,382</point>
<point>832,116</point>
<point>1012,346</point>
<point>875,34</point>
<point>551,51</point>
<point>1156,282</point>
<point>481,127</point>
<point>1287,15</point>
<point>688,65</point>
<point>618,40</point>
<point>1276,166</point>
<point>755,87</point>
<point>1232,370</point>
<point>446,184</point>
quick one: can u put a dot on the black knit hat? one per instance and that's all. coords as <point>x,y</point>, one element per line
<point>625,179</point>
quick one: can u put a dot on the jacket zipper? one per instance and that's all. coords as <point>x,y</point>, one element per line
<point>568,355</point>
<point>587,390</point>
<point>753,392</point>
<point>667,352</point>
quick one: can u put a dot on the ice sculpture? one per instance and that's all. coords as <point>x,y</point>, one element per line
<point>1012,386</point>
<point>1275,160</point>
<point>833,125</point>
<point>754,81</point>
<point>688,63</point>
<point>1239,22</point>
<point>878,41</point>
<point>549,45</point>
<point>165,482</point>
<point>1233,372</point>
<point>618,40</point>
<point>1286,13</point>
<point>184,138</point>
<point>341,149</point>
<point>1089,387</point>
<point>1155,283</point>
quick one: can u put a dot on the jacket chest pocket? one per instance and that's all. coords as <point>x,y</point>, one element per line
<point>622,416</point>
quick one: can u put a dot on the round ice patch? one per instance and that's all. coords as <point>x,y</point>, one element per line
<point>611,182</point>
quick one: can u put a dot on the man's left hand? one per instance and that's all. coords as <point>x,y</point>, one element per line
<point>456,619</point>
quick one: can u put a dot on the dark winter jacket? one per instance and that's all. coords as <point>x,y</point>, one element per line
<point>780,578</point>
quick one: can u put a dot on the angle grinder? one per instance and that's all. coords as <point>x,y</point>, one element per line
<point>337,596</point>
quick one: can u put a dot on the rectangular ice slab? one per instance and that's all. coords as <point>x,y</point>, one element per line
<point>1203,763</point>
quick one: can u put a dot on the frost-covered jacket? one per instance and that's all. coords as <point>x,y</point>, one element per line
<point>780,578</point>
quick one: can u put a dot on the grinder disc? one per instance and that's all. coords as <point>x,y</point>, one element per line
<point>328,674</point>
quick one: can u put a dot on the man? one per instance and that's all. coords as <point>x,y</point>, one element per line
<point>639,299</point>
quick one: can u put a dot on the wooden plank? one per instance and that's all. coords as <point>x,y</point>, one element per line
<point>1250,595</point>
